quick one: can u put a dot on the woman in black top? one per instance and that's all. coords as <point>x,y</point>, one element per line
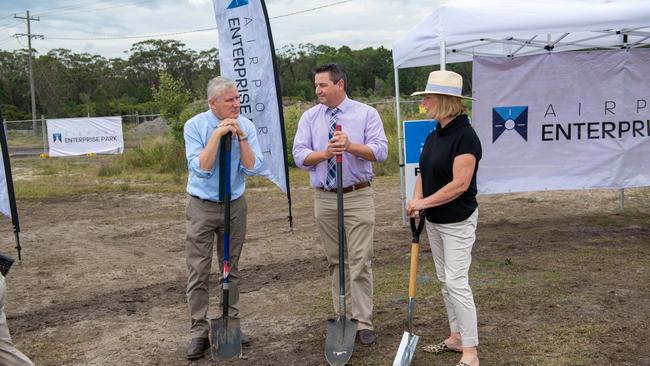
<point>446,191</point>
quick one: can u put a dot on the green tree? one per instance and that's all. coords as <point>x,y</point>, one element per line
<point>171,96</point>
<point>151,57</point>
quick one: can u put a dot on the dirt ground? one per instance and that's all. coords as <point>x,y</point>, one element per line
<point>559,278</point>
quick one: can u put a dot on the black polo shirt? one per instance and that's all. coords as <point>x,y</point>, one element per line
<point>436,163</point>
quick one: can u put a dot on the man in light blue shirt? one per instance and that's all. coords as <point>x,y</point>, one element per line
<point>205,211</point>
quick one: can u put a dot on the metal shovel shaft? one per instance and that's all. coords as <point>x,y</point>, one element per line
<point>341,331</point>
<point>226,334</point>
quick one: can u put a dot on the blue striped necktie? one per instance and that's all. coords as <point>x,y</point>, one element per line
<point>331,163</point>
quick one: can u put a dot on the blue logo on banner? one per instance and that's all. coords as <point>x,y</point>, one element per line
<point>415,135</point>
<point>56,136</point>
<point>237,3</point>
<point>510,118</point>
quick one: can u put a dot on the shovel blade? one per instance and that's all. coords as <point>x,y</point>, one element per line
<point>226,338</point>
<point>339,342</point>
<point>406,349</point>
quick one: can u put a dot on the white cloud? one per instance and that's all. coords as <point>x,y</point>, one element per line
<point>358,23</point>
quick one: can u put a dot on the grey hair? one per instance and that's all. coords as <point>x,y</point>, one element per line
<point>218,85</point>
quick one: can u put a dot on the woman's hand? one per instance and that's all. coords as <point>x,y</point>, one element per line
<point>414,206</point>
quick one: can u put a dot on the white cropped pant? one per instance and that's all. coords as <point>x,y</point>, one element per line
<point>451,246</point>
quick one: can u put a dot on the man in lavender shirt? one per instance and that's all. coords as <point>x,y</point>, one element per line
<point>361,142</point>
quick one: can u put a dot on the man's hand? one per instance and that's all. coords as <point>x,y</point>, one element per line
<point>339,143</point>
<point>223,128</point>
<point>236,129</point>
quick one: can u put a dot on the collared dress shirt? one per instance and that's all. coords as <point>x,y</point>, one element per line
<point>360,122</point>
<point>205,184</point>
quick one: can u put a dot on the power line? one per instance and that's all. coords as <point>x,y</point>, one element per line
<point>77,10</point>
<point>133,37</point>
<point>70,6</point>
<point>7,40</point>
<point>308,10</point>
<point>112,38</point>
<point>10,24</point>
<point>76,5</point>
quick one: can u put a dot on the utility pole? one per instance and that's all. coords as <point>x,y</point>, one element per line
<point>29,36</point>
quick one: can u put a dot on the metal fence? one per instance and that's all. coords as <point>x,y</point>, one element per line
<point>29,137</point>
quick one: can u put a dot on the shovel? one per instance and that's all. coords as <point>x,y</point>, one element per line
<point>409,340</point>
<point>341,331</point>
<point>226,335</point>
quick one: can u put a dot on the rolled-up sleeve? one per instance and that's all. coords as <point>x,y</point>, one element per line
<point>193,147</point>
<point>375,136</point>
<point>254,143</point>
<point>303,144</point>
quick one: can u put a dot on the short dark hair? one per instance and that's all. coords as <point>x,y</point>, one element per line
<point>336,72</point>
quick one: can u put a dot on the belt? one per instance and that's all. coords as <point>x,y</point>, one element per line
<point>351,188</point>
<point>202,199</point>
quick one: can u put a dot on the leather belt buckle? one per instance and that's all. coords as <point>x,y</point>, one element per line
<point>352,188</point>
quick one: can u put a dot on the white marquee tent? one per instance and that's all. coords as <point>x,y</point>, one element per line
<point>517,28</point>
<point>458,30</point>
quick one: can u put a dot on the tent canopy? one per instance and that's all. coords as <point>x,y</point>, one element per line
<point>506,28</point>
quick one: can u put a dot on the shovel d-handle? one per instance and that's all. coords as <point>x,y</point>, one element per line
<point>339,158</point>
<point>416,230</point>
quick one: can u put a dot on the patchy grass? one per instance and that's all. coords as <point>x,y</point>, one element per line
<point>36,178</point>
<point>137,171</point>
<point>25,138</point>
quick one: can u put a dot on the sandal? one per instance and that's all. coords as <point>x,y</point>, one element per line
<point>439,349</point>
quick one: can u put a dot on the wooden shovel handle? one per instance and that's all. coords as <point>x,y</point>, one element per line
<point>415,250</point>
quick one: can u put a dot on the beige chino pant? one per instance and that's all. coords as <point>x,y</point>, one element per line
<point>205,221</point>
<point>9,355</point>
<point>359,217</point>
<point>451,246</point>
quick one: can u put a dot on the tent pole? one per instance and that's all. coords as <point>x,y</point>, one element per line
<point>443,55</point>
<point>622,198</point>
<point>399,148</point>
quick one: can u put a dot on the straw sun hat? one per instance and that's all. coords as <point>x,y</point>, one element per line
<point>444,82</point>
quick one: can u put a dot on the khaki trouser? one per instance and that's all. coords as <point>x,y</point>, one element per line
<point>451,246</point>
<point>205,221</point>
<point>359,217</point>
<point>9,355</point>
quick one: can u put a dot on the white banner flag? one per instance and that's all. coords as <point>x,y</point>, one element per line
<point>569,120</point>
<point>5,209</point>
<point>79,136</point>
<point>246,57</point>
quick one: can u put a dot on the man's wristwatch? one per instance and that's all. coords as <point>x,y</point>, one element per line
<point>242,138</point>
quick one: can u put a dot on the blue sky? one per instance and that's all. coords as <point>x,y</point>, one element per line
<point>356,23</point>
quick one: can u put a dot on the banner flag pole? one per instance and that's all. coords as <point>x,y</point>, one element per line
<point>7,186</point>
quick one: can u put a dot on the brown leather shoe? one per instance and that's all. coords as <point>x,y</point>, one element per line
<point>197,348</point>
<point>367,337</point>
